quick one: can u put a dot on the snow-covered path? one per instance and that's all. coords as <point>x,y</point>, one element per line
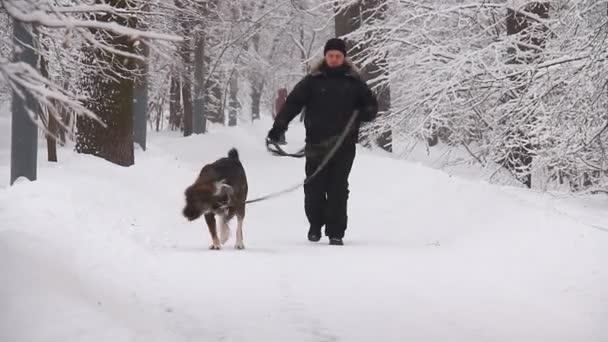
<point>94,252</point>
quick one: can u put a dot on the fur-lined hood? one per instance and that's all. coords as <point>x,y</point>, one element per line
<point>353,71</point>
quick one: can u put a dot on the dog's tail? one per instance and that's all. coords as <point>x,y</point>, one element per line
<point>233,154</point>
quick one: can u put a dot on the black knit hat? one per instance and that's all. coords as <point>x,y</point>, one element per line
<point>335,44</point>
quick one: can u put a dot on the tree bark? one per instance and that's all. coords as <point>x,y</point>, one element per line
<point>257,89</point>
<point>186,77</point>
<point>257,83</point>
<point>51,143</point>
<point>110,98</point>
<point>233,103</point>
<point>199,120</point>
<point>349,20</point>
<point>175,103</point>
<point>213,100</point>
<point>186,88</point>
<point>141,97</point>
<point>140,123</point>
<point>519,158</point>
<point>257,79</point>
<point>24,131</point>
<point>66,119</point>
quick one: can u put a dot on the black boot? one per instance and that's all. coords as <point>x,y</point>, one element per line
<point>314,235</point>
<point>336,242</point>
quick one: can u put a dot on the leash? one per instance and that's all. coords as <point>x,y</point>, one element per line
<point>278,151</point>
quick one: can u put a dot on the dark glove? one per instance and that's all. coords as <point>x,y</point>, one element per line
<point>274,135</point>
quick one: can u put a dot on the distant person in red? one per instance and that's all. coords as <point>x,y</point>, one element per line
<point>278,105</point>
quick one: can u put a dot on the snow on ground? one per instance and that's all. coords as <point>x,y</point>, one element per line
<point>454,160</point>
<point>95,252</point>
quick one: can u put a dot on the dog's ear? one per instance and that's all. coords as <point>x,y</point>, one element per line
<point>190,191</point>
<point>222,189</point>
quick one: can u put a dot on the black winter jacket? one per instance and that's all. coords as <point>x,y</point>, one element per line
<point>329,96</point>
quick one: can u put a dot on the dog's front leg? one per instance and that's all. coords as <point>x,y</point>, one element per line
<point>239,230</point>
<point>224,228</point>
<point>210,219</point>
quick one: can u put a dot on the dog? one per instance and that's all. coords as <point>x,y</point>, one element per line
<point>220,190</point>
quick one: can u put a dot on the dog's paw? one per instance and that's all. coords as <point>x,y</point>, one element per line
<point>239,245</point>
<point>214,247</point>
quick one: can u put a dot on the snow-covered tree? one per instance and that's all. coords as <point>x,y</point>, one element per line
<point>458,76</point>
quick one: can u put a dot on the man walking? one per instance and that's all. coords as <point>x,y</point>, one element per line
<point>330,94</point>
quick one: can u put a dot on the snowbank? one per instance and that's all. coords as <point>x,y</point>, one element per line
<point>96,252</point>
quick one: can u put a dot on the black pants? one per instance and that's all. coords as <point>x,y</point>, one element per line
<point>326,195</point>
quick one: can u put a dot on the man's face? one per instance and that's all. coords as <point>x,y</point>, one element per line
<point>334,58</point>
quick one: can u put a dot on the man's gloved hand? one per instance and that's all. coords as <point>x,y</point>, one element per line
<point>274,135</point>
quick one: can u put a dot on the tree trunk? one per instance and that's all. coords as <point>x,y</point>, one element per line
<point>174,103</point>
<point>187,100</point>
<point>256,78</point>
<point>257,83</point>
<point>141,97</point>
<point>257,89</point>
<point>110,98</point>
<point>159,116</point>
<point>219,109</point>
<point>65,119</point>
<point>199,120</point>
<point>51,143</point>
<point>213,101</point>
<point>141,91</point>
<point>186,77</point>
<point>233,104</point>
<point>519,158</point>
<point>349,20</point>
<point>24,131</point>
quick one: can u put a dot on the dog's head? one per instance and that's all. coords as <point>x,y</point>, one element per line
<point>205,197</point>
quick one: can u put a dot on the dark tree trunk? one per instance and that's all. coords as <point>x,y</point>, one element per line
<point>257,79</point>
<point>140,115</point>
<point>110,98</point>
<point>187,99</point>
<point>219,108</point>
<point>175,103</point>
<point>213,101</point>
<point>51,143</point>
<point>349,20</point>
<point>257,89</point>
<point>519,158</point>
<point>141,97</point>
<point>233,104</point>
<point>199,120</point>
<point>65,119</point>
<point>186,77</point>
<point>257,83</point>
<point>159,116</point>
<point>24,131</point>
